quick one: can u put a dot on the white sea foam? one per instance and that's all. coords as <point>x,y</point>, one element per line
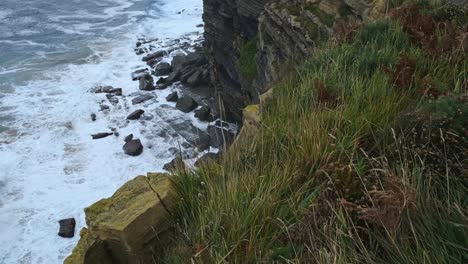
<point>50,167</point>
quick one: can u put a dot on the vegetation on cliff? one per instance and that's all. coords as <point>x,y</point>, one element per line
<point>361,157</point>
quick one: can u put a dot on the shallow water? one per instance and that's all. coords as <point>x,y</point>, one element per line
<point>52,53</point>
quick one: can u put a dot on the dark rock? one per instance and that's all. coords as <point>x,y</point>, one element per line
<point>142,98</point>
<point>194,79</point>
<point>173,77</point>
<point>161,80</point>
<point>104,107</point>
<point>162,86</point>
<point>128,138</point>
<point>101,135</point>
<point>186,104</point>
<point>135,115</point>
<point>204,114</point>
<point>146,83</point>
<point>67,227</point>
<point>176,163</point>
<point>197,58</point>
<point>186,73</point>
<point>136,75</point>
<point>172,97</point>
<point>93,117</point>
<point>206,158</point>
<point>220,137</point>
<point>221,123</point>
<point>118,91</point>
<point>186,145</point>
<point>133,147</point>
<point>140,51</point>
<point>112,98</point>
<point>178,62</point>
<point>163,68</point>
<point>156,55</point>
<point>151,63</point>
<point>200,25</point>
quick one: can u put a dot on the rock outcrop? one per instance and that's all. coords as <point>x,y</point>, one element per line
<point>130,226</point>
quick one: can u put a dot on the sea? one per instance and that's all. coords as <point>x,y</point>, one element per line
<point>52,53</point>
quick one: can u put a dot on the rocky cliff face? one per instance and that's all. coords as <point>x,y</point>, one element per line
<point>280,34</point>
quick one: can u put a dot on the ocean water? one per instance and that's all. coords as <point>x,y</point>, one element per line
<point>51,53</point>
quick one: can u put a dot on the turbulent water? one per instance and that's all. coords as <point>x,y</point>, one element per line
<point>51,53</point>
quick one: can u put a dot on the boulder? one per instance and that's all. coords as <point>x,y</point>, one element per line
<point>112,99</point>
<point>178,62</point>
<point>172,97</point>
<point>220,137</point>
<point>206,158</point>
<point>186,104</point>
<point>156,55</point>
<point>146,83</point>
<point>204,114</point>
<point>186,73</point>
<point>163,68</point>
<point>133,147</point>
<point>142,98</point>
<point>135,114</point>
<point>194,79</point>
<point>161,80</point>
<point>136,75</point>
<point>67,227</point>
<point>121,227</point>
<point>101,135</point>
<point>173,77</point>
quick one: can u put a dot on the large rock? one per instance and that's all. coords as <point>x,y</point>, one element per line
<point>133,147</point>
<point>186,104</point>
<point>220,137</point>
<point>135,114</point>
<point>146,83</point>
<point>172,97</point>
<point>204,114</point>
<point>163,68</point>
<point>67,227</point>
<point>156,55</point>
<point>142,98</point>
<point>129,227</point>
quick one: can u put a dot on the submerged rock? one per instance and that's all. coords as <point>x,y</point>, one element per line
<point>121,228</point>
<point>67,227</point>
<point>133,147</point>
<point>142,98</point>
<point>128,138</point>
<point>172,97</point>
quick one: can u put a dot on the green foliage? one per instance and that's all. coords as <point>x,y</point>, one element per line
<point>246,63</point>
<point>328,134</point>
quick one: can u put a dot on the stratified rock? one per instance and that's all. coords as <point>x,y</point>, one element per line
<point>194,79</point>
<point>67,227</point>
<point>206,158</point>
<point>146,83</point>
<point>220,137</point>
<point>101,135</point>
<point>162,68</point>
<point>186,104</point>
<point>204,114</point>
<point>121,227</point>
<point>136,114</point>
<point>133,147</point>
<point>156,55</point>
<point>172,97</point>
<point>178,62</point>
<point>173,77</point>
<point>142,98</point>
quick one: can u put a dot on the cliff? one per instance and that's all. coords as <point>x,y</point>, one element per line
<point>251,44</point>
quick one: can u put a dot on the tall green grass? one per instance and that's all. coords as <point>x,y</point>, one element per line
<point>276,197</point>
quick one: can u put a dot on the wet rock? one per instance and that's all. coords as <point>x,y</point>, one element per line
<point>176,163</point>
<point>173,77</point>
<point>206,158</point>
<point>220,137</point>
<point>118,91</point>
<point>200,25</point>
<point>135,114</point>
<point>186,104</point>
<point>136,75</point>
<point>162,86</point>
<point>93,117</point>
<point>204,114</point>
<point>197,58</point>
<point>161,80</point>
<point>112,99</point>
<point>146,83</point>
<point>128,138</point>
<point>142,98</point>
<point>133,147</point>
<point>156,55</point>
<point>67,227</point>
<point>186,73</point>
<point>104,107</point>
<point>186,145</point>
<point>101,135</point>
<point>140,51</point>
<point>163,68</point>
<point>172,97</point>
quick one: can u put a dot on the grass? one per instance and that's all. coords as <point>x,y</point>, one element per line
<point>361,158</point>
